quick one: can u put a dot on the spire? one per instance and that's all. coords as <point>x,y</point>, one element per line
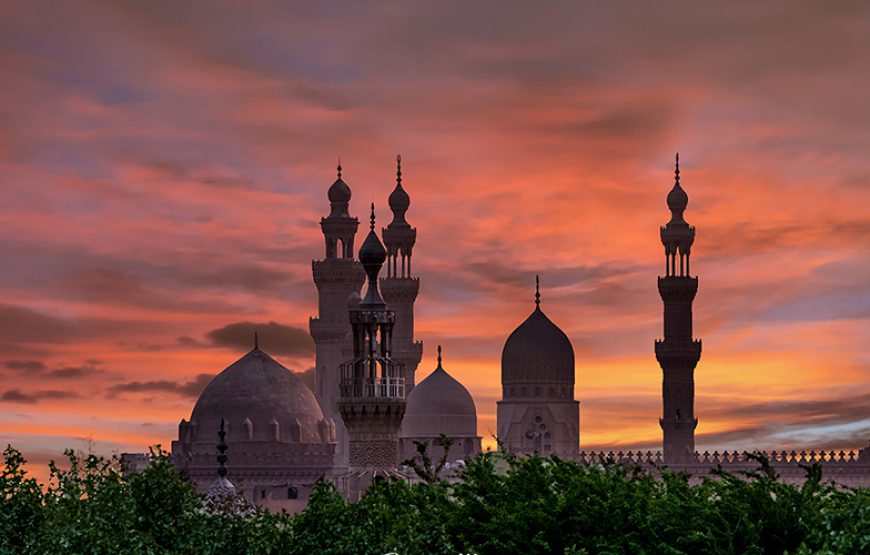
<point>222,447</point>
<point>339,167</point>
<point>439,356</point>
<point>677,198</point>
<point>538,291</point>
<point>399,170</point>
<point>256,340</point>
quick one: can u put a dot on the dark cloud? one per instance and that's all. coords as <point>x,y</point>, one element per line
<point>38,368</point>
<point>23,325</point>
<point>275,338</point>
<point>25,365</point>
<point>191,388</point>
<point>33,397</point>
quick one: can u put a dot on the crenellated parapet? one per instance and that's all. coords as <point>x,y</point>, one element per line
<point>846,467</point>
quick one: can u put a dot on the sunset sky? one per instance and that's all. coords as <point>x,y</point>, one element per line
<point>164,168</point>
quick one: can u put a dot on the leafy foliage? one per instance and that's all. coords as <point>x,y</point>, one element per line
<point>499,504</point>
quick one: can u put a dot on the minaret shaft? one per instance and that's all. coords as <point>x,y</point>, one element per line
<point>678,353</point>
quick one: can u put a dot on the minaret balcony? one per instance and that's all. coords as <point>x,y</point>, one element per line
<point>668,352</point>
<point>338,270</point>
<point>372,388</point>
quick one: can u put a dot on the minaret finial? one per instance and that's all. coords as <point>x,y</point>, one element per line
<point>339,167</point>
<point>537,290</point>
<point>373,217</point>
<point>256,340</point>
<point>399,170</point>
<point>222,447</point>
<point>677,169</point>
<point>439,356</point>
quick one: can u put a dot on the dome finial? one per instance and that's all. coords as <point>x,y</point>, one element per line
<point>256,340</point>
<point>339,167</point>
<point>677,169</point>
<point>439,356</point>
<point>399,170</point>
<point>373,217</point>
<point>537,290</point>
<point>222,447</point>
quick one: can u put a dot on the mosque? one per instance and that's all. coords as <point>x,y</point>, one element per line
<point>368,411</point>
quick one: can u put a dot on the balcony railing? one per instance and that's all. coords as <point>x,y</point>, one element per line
<point>387,388</point>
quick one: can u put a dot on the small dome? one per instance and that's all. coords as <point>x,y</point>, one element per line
<point>399,200</point>
<point>678,200</point>
<point>258,388</point>
<point>440,405</point>
<point>537,352</point>
<point>339,192</point>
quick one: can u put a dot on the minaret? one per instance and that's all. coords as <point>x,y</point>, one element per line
<point>372,392</point>
<point>679,352</point>
<point>399,287</point>
<point>337,277</point>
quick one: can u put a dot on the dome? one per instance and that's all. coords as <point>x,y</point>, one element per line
<point>339,192</point>
<point>372,252</point>
<point>439,405</point>
<point>399,200</point>
<point>678,200</point>
<point>250,394</point>
<point>537,352</point>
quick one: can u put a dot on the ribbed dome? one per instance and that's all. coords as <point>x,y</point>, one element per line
<point>537,352</point>
<point>257,388</point>
<point>440,405</point>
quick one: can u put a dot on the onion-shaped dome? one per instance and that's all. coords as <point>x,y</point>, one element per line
<point>258,388</point>
<point>339,192</point>
<point>439,405</point>
<point>538,351</point>
<point>399,200</point>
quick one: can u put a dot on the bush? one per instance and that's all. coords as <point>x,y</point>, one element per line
<point>499,504</point>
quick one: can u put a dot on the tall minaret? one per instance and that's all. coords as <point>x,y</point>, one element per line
<point>337,277</point>
<point>399,287</point>
<point>372,392</point>
<point>679,352</point>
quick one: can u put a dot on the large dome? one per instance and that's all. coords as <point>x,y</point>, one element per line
<point>439,405</point>
<point>537,352</point>
<point>254,394</point>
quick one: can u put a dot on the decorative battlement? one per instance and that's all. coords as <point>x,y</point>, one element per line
<point>851,457</point>
<point>678,288</point>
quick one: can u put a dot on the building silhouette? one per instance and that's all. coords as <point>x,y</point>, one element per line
<point>537,413</point>
<point>337,277</point>
<point>371,397</point>
<point>678,353</point>
<point>367,415</point>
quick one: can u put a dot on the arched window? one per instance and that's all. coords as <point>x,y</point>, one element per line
<point>292,492</point>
